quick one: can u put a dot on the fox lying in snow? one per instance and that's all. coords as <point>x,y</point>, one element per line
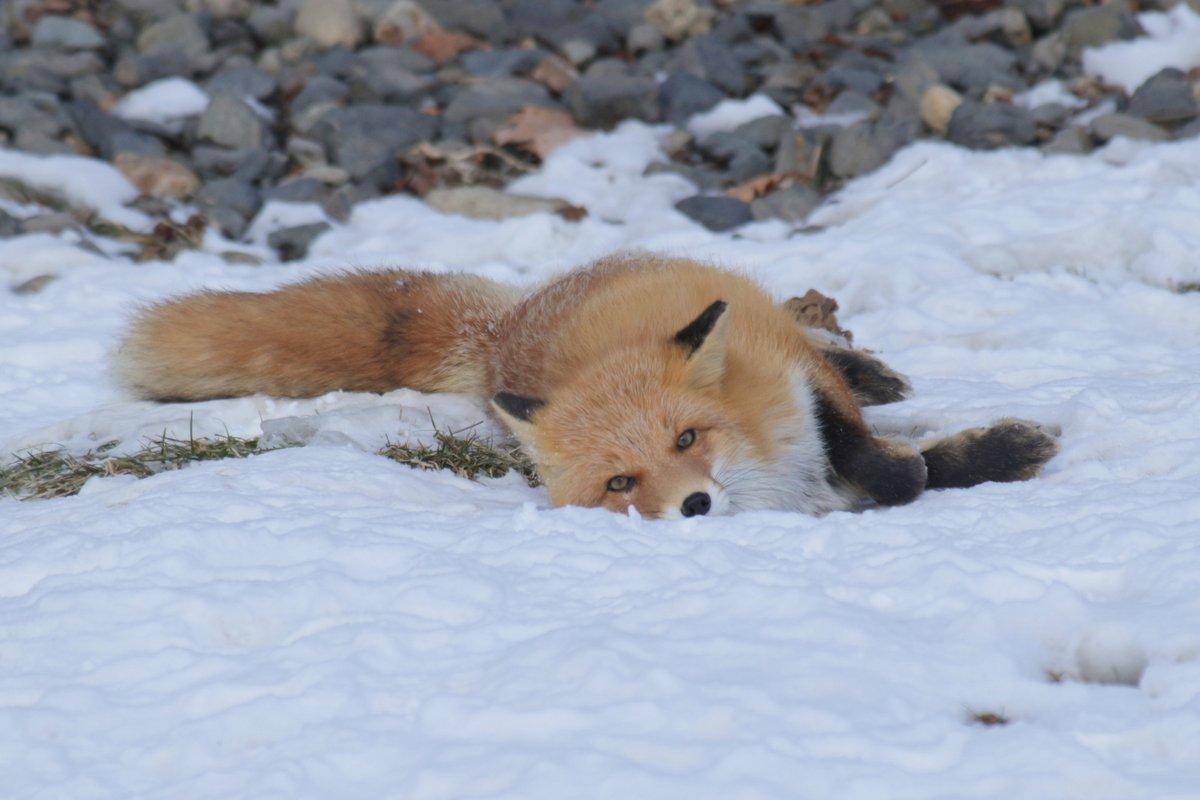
<point>674,387</point>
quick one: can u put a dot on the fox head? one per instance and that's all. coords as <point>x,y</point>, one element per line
<point>645,427</point>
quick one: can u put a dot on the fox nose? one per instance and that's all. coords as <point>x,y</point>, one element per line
<point>696,504</point>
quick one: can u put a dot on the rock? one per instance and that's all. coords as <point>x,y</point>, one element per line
<point>246,165</point>
<point>179,35</point>
<point>50,222</point>
<point>863,146</point>
<point>1043,15</point>
<point>66,33</point>
<point>35,120</point>
<point>555,73</point>
<point>764,132</point>
<point>1069,141</point>
<point>969,66</point>
<point>1095,25</point>
<point>44,69</point>
<point>229,203</point>
<point>717,213</point>
<point>792,204</point>
<point>495,97</point>
<point>578,51</point>
<point>601,101</point>
<point>986,127</point>
<point>484,202</point>
<point>271,24</point>
<point>229,122</point>
<point>937,106</point>
<point>242,81</point>
<point>677,19</point>
<point>481,18</point>
<point>681,95</point>
<point>1165,97</point>
<point>741,157</point>
<point>292,243</point>
<point>1110,126</point>
<point>365,140</point>
<point>644,38</point>
<point>157,177</point>
<point>330,23</point>
<point>714,61</point>
<point>403,21</point>
<point>1049,52</point>
<point>502,63</point>
<point>111,135</point>
<point>299,190</point>
<point>319,96</point>
<point>9,225</point>
<point>1051,115</point>
<point>852,103</point>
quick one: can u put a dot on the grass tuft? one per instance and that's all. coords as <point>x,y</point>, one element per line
<point>53,473</point>
<point>467,457</point>
<point>989,719</point>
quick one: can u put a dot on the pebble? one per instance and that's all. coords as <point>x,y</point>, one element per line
<point>179,35</point>
<point>601,101</point>
<point>937,107</point>
<point>366,139</point>
<point>1110,126</point>
<point>1165,97</point>
<point>229,202</point>
<point>716,212</point>
<point>484,202</point>
<point>792,204</point>
<point>229,122</point>
<point>987,127</point>
<point>330,23</point>
<point>292,243</point>
<point>681,95</point>
<point>66,33</point>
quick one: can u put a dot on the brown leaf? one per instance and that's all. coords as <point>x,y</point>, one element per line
<point>538,130</point>
<point>757,187</point>
<point>442,46</point>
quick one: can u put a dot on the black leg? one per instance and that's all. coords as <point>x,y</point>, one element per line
<point>870,380</point>
<point>1009,450</point>
<point>888,473</point>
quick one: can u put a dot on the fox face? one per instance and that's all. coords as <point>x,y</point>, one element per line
<point>645,428</point>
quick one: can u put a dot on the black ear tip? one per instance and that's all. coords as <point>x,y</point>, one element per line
<point>516,405</point>
<point>698,329</point>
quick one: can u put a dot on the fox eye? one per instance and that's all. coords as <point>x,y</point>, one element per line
<point>686,439</point>
<point>620,483</point>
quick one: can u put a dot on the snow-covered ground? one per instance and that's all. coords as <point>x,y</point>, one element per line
<point>321,622</point>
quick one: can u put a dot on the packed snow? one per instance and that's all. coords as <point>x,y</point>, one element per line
<point>1172,40</point>
<point>322,622</point>
<point>165,101</point>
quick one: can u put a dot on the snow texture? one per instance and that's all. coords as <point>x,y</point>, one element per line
<point>321,622</point>
<point>85,182</point>
<point>164,101</point>
<point>1172,40</point>
<point>729,114</point>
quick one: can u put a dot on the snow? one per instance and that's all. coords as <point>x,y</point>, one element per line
<point>85,182</point>
<point>1046,92</point>
<point>729,114</point>
<point>165,101</point>
<point>1172,40</point>
<point>322,622</point>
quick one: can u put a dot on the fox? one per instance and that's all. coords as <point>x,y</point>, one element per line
<point>661,385</point>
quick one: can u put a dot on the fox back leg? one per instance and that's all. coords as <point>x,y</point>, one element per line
<point>1009,450</point>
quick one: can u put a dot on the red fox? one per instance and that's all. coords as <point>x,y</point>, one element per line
<point>665,385</point>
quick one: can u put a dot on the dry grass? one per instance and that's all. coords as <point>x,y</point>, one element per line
<point>988,719</point>
<point>52,473</point>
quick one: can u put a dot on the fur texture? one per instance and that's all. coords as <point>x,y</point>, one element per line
<point>636,382</point>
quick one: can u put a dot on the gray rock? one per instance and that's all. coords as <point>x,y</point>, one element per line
<point>66,33</point>
<point>578,51</point>
<point>319,96</point>
<point>986,127</point>
<point>299,190</point>
<point>644,38</point>
<point>792,204</point>
<point>1049,52</point>
<point>800,27</point>
<point>764,132</point>
<point>709,58</point>
<point>1110,126</point>
<point>494,97</point>
<point>1043,15</point>
<point>1069,141</point>
<point>1188,131</point>
<point>1165,97</point>
<point>242,81</point>
<point>481,18</point>
<point>603,100</point>
<point>292,243</point>
<point>717,213</point>
<point>230,122</point>
<point>44,69</point>
<point>383,75</point>
<point>35,120</point>
<point>1051,115</point>
<point>855,78</point>
<point>229,203</point>
<point>741,157</point>
<point>341,201</point>
<point>218,162</point>
<point>180,34</point>
<point>969,66</point>
<point>271,24</point>
<point>681,95</point>
<point>9,225</point>
<point>111,135</point>
<point>502,63</point>
<point>365,140</point>
<point>851,102</point>
<point>703,178</point>
<point>1095,25</point>
<point>863,146</point>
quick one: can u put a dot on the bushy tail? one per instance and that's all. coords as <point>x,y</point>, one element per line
<point>371,331</point>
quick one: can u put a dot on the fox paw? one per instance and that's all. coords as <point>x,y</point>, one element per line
<point>1008,450</point>
<point>871,381</point>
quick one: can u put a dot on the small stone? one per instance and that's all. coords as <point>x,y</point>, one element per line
<point>1043,15</point>
<point>1069,141</point>
<point>986,127</point>
<point>1188,131</point>
<point>34,284</point>
<point>850,103</point>
<point>65,33</point>
<point>792,204</point>
<point>292,243</point>
<point>229,122</point>
<point>864,146</point>
<point>229,203</point>
<point>9,225</point>
<point>111,135</point>
<point>299,190</point>
<point>271,24</point>
<point>1165,97</point>
<point>366,140</point>
<point>403,21</point>
<point>243,81</point>
<point>969,66</point>
<point>246,165</point>
<point>937,106</point>
<point>603,100</point>
<point>179,35</point>
<point>644,38</point>
<point>677,19</point>
<point>716,212</point>
<point>492,97</point>
<point>710,58</point>
<point>764,132</point>
<point>330,23</point>
<point>578,51</point>
<point>1110,126</point>
<point>1096,25</point>
<point>156,176</point>
<point>681,95</point>
<point>484,202</point>
<point>1051,115</point>
<point>1049,52</point>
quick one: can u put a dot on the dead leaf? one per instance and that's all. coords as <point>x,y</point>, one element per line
<point>443,46</point>
<point>539,130</point>
<point>815,310</point>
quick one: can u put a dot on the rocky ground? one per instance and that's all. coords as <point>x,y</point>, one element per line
<point>218,106</point>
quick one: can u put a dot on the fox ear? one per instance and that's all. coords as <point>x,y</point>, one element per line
<point>704,341</point>
<point>516,412</point>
